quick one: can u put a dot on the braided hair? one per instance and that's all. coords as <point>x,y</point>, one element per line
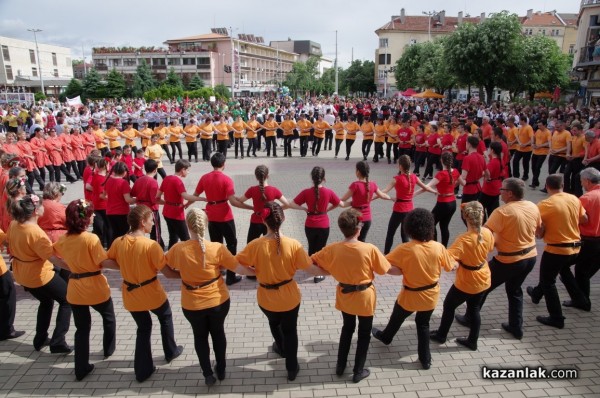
<point>447,162</point>
<point>404,165</point>
<point>118,169</point>
<point>196,222</point>
<point>261,172</point>
<point>473,213</point>
<point>363,169</point>
<point>274,220</point>
<point>318,175</point>
<point>496,148</point>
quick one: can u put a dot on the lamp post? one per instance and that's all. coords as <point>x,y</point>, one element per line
<point>181,54</point>
<point>385,72</point>
<point>429,14</point>
<point>35,31</point>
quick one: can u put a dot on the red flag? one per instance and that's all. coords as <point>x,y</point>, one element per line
<point>556,95</point>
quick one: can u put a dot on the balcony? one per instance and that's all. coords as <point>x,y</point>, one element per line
<point>159,67</point>
<point>586,58</point>
<point>101,67</point>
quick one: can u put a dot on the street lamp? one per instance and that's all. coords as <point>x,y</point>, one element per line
<point>35,31</point>
<point>429,14</point>
<point>385,69</point>
<point>181,54</point>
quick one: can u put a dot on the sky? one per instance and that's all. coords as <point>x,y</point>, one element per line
<point>81,24</point>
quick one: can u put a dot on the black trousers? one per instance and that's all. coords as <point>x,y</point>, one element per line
<point>454,298</point>
<point>378,151</point>
<point>316,147</point>
<point>399,314</point>
<point>526,157</point>
<point>284,329</point>
<point>338,144</point>
<point>62,168</point>
<point>349,144</point>
<point>34,175</point>
<point>551,266</point>
<point>512,275</point>
<point>328,140</point>
<point>177,231</point>
<point>586,266</point>
<point>176,145</point>
<point>364,231</point>
<point>209,321</point>
<point>556,163</point>
<point>270,142</point>
<point>222,146</point>
<point>396,219</point>
<point>317,238</point>
<point>536,168</point>
<point>572,180</point>
<point>420,160</point>
<point>391,149</point>
<point>366,148</point>
<point>83,323</point>
<point>256,230</point>
<point>118,226</point>
<point>165,148</point>
<point>161,172</point>
<point>72,165</point>
<point>287,145</point>
<point>101,228</point>
<point>224,230</point>
<point>156,233</point>
<point>239,146</point>
<point>206,148</point>
<point>55,290</point>
<point>442,214</point>
<point>192,148</point>
<point>251,147</point>
<point>489,203</point>
<point>8,304</point>
<point>432,159</point>
<point>143,364</point>
<point>365,324</point>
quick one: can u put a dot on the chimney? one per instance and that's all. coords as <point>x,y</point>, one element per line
<point>482,17</point>
<point>402,16</point>
<point>530,13</point>
<point>442,16</point>
<point>460,17</point>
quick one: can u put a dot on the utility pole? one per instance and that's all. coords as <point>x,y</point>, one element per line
<point>84,65</point>
<point>385,71</point>
<point>430,14</point>
<point>35,31</point>
<point>335,65</point>
<point>232,64</point>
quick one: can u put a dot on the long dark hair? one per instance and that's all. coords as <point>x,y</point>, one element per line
<point>318,175</point>
<point>261,173</point>
<point>118,168</point>
<point>274,221</point>
<point>364,169</point>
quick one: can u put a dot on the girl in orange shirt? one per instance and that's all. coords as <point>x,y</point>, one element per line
<point>473,277</point>
<point>204,295</point>
<point>87,287</point>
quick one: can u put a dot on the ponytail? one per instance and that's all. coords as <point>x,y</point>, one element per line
<point>318,175</point>
<point>196,222</point>
<point>261,173</point>
<point>363,169</point>
<point>447,161</point>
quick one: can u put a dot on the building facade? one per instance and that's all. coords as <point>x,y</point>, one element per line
<point>305,49</point>
<point>586,63</point>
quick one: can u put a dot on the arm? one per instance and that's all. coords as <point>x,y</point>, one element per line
<point>240,269</point>
<point>236,203</point>
<point>539,232</point>
<point>394,270</point>
<point>295,206</point>
<point>389,186</point>
<point>170,273</point>
<point>382,195</point>
<point>128,198</point>
<point>59,262</point>
<point>316,270</point>
<point>109,264</point>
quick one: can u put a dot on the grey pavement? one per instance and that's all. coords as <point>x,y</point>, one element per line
<point>253,370</point>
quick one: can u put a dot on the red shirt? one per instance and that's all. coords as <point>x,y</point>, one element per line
<point>591,203</point>
<point>432,141</point>
<point>445,187</point>
<point>405,134</point>
<point>140,162</point>
<point>405,189</point>
<point>97,189</point>
<point>492,185</point>
<point>26,148</point>
<point>87,179</point>
<point>360,200</point>
<point>128,160</point>
<point>420,139</point>
<point>76,142</point>
<point>447,141</point>
<point>481,147</point>
<point>486,131</point>
<point>115,189</point>
<point>258,203</point>
<point>505,158</point>
<point>173,187</point>
<point>144,191</point>
<point>474,164</point>
<point>326,197</point>
<point>218,188</point>
<point>461,146</point>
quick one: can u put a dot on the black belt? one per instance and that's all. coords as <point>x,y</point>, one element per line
<point>592,238</point>
<point>471,267</point>
<point>569,244</point>
<point>316,213</point>
<point>517,253</point>
<point>354,288</point>
<point>84,275</point>
<point>174,204</point>
<point>446,195</point>
<point>200,286</point>
<point>133,286</point>
<point>420,289</point>
<point>360,207</point>
<point>403,200</point>
<point>216,202</point>
<point>496,179</point>
<point>472,182</point>
<point>275,286</point>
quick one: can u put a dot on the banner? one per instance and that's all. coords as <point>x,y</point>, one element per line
<point>75,101</point>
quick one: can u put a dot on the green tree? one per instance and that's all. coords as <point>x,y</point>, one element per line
<point>196,83</point>
<point>143,80</point>
<point>407,66</point>
<point>115,84</point>
<point>73,89</point>
<point>433,71</point>
<point>359,77</point>
<point>303,76</point>
<point>93,85</point>
<point>173,79</point>
<point>222,90</point>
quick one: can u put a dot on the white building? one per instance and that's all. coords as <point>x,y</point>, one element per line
<point>19,65</point>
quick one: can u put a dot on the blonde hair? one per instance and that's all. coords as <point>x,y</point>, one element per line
<point>196,221</point>
<point>473,213</point>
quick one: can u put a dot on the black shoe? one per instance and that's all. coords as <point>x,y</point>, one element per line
<point>340,368</point>
<point>347,158</point>
<point>389,161</point>
<point>544,190</point>
<point>251,278</point>
<point>532,186</point>
<point>87,372</point>
<point>531,292</point>
<point>175,355</point>
<point>277,350</point>
<point>517,334</point>
<point>15,334</point>
<point>573,304</point>
<point>318,279</point>
<point>378,334</point>
<point>363,374</point>
<point>435,336</point>
<point>364,158</point>
<point>254,155</point>
<point>210,380</point>
<point>463,320</point>
<point>293,373</point>
<point>233,281</point>
<point>143,379</point>
<point>109,353</point>
<point>465,342</point>
<point>220,374</point>
<point>549,321</point>
<point>525,178</point>
<point>61,349</point>
<point>426,364</point>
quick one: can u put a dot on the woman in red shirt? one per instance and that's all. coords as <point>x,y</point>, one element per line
<point>420,149</point>
<point>28,160</point>
<point>494,174</point>
<point>78,147</point>
<point>67,152</point>
<point>434,151</point>
<point>100,225</point>
<point>404,183</point>
<point>54,146</point>
<point>40,153</point>
<point>118,198</point>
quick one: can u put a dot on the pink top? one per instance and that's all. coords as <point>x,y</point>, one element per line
<point>360,200</point>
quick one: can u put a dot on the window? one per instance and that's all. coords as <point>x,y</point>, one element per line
<point>572,49</point>
<point>5,54</point>
<point>55,72</point>
<point>54,59</point>
<point>203,61</point>
<point>383,43</point>
<point>34,72</point>
<point>115,61</point>
<point>413,41</point>
<point>129,62</point>
<point>32,56</point>
<point>385,59</point>
<point>68,62</point>
<point>173,61</point>
<point>9,73</point>
<point>189,61</point>
<point>158,61</point>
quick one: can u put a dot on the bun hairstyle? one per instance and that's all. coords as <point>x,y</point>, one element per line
<point>318,175</point>
<point>22,210</point>
<point>273,216</point>
<point>473,213</point>
<point>78,216</point>
<point>136,216</point>
<point>364,169</point>
<point>261,172</point>
<point>196,222</point>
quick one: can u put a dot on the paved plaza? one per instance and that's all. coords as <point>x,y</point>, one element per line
<point>253,370</point>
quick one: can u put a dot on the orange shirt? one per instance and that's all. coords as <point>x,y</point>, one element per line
<point>238,129</point>
<point>511,135</point>
<point>304,127</point>
<point>559,141</point>
<point>560,215</point>
<point>271,127</point>
<point>113,137</point>
<point>368,130</point>
<point>540,138</point>
<point>187,258</point>
<point>84,253</point>
<point>524,136</point>
<point>139,259</point>
<point>380,132</point>
<point>288,127</point>
<point>351,129</point>
<point>468,250</point>
<point>251,131</point>
<point>193,130</point>
<point>421,264</point>
<point>3,268</point>
<point>145,134</point>
<point>273,268</point>
<point>577,146</point>
<point>320,127</point>
<point>353,263</point>
<point>338,128</point>
<point>99,137</point>
<point>31,249</point>
<point>162,132</point>
<point>514,225</point>
<point>130,133</point>
<point>223,130</point>
<point>591,203</point>
<point>175,133</point>
<point>206,131</point>
<point>392,133</point>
